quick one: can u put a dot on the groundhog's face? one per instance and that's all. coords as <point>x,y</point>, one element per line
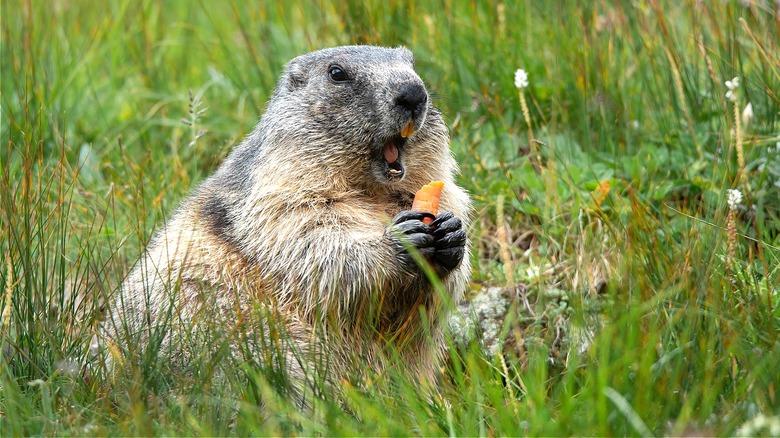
<point>365,107</point>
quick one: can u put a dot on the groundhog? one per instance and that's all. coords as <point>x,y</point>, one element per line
<point>309,217</point>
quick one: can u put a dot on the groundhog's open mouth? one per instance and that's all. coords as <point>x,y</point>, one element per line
<point>392,155</point>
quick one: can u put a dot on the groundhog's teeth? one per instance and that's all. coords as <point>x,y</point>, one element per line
<point>395,172</point>
<point>408,129</point>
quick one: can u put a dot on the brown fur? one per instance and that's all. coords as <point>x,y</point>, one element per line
<point>297,218</point>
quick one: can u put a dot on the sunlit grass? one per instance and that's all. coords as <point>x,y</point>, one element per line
<point>651,305</point>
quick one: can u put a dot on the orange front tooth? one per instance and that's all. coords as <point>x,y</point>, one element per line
<point>408,130</point>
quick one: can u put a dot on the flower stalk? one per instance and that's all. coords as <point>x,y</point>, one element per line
<point>731,94</point>
<point>521,82</point>
<point>734,198</point>
<point>503,242</point>
<point>9,287</point>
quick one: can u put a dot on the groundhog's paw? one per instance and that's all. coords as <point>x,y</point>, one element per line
<point>406,231</point>
<point>445,223</point>
<point>449,242</point>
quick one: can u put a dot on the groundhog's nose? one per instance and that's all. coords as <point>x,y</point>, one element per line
<point>412,97</point>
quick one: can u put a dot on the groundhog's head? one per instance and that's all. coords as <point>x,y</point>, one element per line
<point>357,112</point>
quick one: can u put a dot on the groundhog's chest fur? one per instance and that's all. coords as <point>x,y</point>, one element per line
<point>309,216</point>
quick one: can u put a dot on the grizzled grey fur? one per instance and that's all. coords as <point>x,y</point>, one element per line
<point>308,218</point>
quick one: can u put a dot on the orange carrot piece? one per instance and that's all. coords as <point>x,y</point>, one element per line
<point>427,199</point>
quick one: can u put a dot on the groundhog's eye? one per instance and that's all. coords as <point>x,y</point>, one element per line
<point>337,74</point>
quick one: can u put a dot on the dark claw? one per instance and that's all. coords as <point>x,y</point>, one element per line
<point>451,225</point>
<point>412,226</point>
<point>442,217</point>
<point>451,240</point>
<point>408,215</point>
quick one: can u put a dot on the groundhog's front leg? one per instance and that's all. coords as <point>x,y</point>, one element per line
<point>443,242</point>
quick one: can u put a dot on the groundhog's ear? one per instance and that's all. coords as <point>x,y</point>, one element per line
<point>296,76</point>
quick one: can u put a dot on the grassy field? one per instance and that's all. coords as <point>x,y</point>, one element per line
<point>643,302</point>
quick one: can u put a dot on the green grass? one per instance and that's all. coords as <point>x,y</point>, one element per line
<point>682,334</point>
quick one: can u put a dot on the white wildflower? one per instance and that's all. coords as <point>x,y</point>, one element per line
<point>533,272</point>
<point>747,114</point>
<point>521,78</point>
<point>524,425</point>
<point>635,124</point>
<point>734,198</point>
<point>760,425</point>
<point>90,430</point>
<point>732,86</point>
